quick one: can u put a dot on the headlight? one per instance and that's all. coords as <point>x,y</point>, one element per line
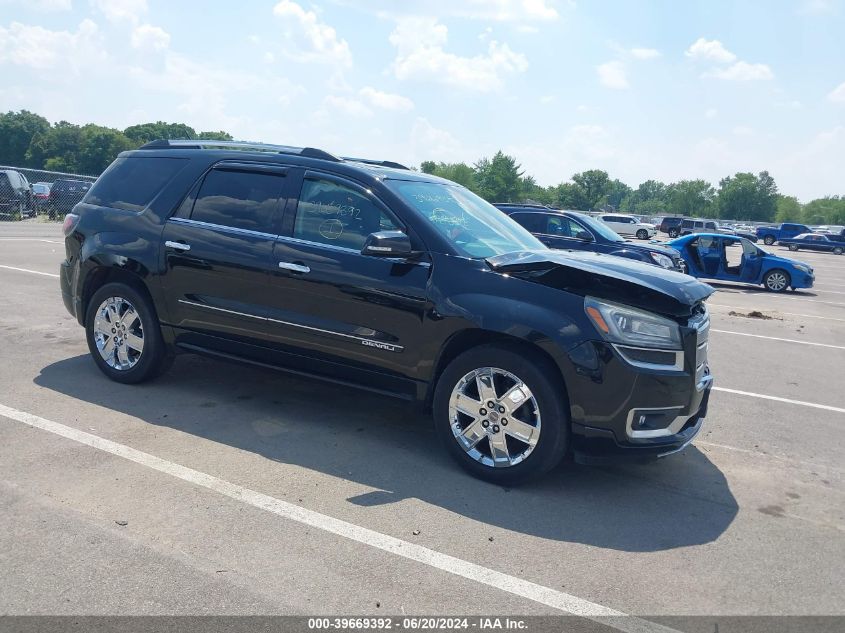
<point>803,268</point>
<point>662,260</point>
<point>629,326</point>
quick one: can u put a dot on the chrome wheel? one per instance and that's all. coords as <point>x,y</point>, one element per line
<point>118,333</point>
<point>776,281</point>
<point>494,417</point>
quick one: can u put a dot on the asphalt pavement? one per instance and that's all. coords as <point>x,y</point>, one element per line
<point>220,489</point>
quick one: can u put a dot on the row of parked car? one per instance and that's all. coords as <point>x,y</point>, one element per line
<point>19,199</point>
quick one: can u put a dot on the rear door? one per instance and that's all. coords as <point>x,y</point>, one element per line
<point>218,251</point>
<point>559,231</point>
<point>346,309</point>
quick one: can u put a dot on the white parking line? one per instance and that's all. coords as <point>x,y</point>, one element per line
<point>26,270</point>
<point>776,338</point>
<point>459,567</point>
<point>779,399</point>
<point>773,295</point>
<point>809,316</point>
<point>28,239</point>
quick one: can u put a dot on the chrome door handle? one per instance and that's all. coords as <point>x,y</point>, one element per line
<point>297,268</point>
<point>179,246</point>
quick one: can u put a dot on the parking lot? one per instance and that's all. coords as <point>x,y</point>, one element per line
<point>220,489</point>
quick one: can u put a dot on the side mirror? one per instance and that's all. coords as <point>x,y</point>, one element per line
<point>584,235</point>
<point>387,244</point>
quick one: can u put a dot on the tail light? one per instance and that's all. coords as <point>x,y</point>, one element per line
<point>71,220</point>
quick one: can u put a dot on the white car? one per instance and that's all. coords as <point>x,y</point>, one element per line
<point>628,225</point>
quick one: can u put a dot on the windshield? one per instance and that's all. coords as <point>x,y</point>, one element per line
<point>600,228</point>
<point>473,226</point>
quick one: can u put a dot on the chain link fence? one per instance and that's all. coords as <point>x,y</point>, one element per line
<point>37,193</point>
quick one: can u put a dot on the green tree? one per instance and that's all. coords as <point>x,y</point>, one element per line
<point>745,196</point>
<point>647,199</point>
<point>499,178</point>
<point>568,195</point>
<point>146,132</point>
<point>827,210</point>
<point>214,136</point>
<point>460,173</point>
<point>788,209</point>
<point>17,130</point>
<point>594,185</point>
<point>691,198</point>
<point>617,192</point>
<point>99,146</point>
<point>57,148</point>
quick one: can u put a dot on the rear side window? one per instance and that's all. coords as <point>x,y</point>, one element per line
<point>131,183</point>
<point>241,200</point>
<point>531,221</point>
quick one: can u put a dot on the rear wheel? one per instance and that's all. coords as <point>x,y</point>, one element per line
<point>837,250</point>
<point>793,247</point>
<point>673,233</point>
<point>642,234</point>
<point>776,280</point>
<point>500,414</point>
<point>124,335</point>
<point>768,240</point>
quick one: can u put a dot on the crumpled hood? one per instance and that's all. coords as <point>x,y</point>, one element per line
<point>607,277</point>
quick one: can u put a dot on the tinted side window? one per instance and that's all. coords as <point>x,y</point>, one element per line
<point>331,213</point>
<point>242,200</point>
<point>556,225</point>
<point>131,183</point>
<point>687,224</point>
<point>531,221</point>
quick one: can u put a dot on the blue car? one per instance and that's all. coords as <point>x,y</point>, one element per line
<point>730,258</point>
<point>814,242</point>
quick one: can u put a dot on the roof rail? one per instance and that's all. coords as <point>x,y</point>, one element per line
<point>533,205</point>
<point>306,152</point>
<point>380,163</point>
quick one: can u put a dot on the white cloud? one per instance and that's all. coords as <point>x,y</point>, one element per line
<point>121,10</point>
<point>742,130</point>
<point>43,49</point>
<point>612,75</point>
<point>743,71</point>
<point>711,113</point>
<point>710,50</point>
<point>42,5</point>
<point>837,95</point>
<point>420,54</point>
<point>817,7</point>
<point>149,37</point>
<point>431,143</point>
<point>511,10</point>
<point>386,100</point>
<point>347,105</point>
<point>645,53</point>
<point>310,39</point>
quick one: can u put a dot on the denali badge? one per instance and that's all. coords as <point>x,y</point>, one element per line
<point>385,346</point>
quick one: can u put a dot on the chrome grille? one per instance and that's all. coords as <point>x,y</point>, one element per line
<point>701,322</point>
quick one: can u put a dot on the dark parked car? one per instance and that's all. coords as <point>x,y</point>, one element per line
<point>369,274</point>
<point>772,234</point>
<point>814,242</point>
<point>15,195</point>
<point>65,194</point>
<point>570,230</point>
<point>670,226</point>
<point>41,194</point>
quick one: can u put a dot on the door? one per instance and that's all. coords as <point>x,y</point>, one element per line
<point>752,262</point>
<point>562,232</point>
<point>217,252</point>
<point>709,251</point>
<point>620,224</point>
<point>347,310</point>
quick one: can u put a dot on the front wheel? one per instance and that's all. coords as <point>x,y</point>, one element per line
<point>642,234</point>
<point>768,240</point>
<point>501,415</point>
<point>793,247</point>
<point>837,250</point>
<point>776,280</point>
<point>124,335</point>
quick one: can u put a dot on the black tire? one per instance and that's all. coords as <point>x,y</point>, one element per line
<point>642,234</point>
<point>793,247</point>
<point>673,233</point>
<point>768,240</point>
<point>155,358</point>
<point>837,250</point>
<point>769,281</point>
<point>537,374</point>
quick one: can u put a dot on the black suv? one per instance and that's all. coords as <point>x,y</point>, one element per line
<point>16,200</point>
<point>570,230</point>
<point>671,226</point>
<point>64,195</point>
<point>369,274</point>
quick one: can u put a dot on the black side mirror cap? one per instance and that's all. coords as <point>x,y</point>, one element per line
<point>387,244</point>
<point>584,235</point>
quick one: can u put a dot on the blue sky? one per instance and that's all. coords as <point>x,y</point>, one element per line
<point>662,89</point>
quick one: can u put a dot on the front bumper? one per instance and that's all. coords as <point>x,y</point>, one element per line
<point>624,408</point>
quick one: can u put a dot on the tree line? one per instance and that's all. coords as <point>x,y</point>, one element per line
<point>29,140</point>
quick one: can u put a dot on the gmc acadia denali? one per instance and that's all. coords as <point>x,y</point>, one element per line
<point>369,274</point>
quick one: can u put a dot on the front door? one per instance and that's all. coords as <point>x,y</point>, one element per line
<point>344,308</point>
<point>218,251</point>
